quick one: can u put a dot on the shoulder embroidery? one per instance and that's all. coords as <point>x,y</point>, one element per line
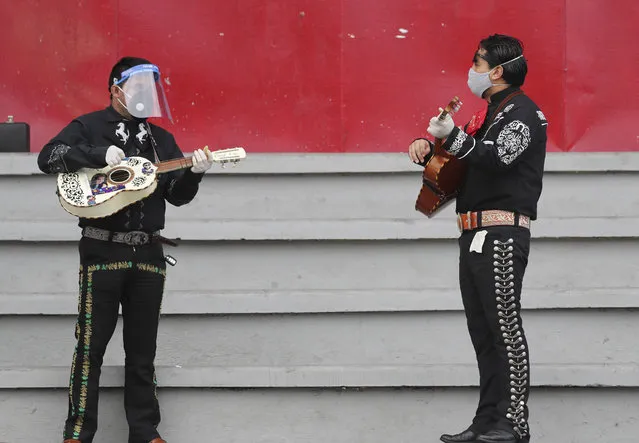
<point>508,108</point>
<point>541,116</point>
<point>513,139</point>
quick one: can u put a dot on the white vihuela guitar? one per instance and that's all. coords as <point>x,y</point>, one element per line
<point>97,193</point>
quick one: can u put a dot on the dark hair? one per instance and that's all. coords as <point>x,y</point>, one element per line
<point>502,48</point>
<point>122,65</point>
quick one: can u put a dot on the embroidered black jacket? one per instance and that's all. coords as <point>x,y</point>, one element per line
<point>83,144</point>
<point>505,157</point>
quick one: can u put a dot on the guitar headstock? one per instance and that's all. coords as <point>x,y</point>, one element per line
<point>224,156</point>
<point>453,106</point>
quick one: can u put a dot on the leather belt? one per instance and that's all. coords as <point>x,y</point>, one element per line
<point>473,220</point>
<point>132,238</point>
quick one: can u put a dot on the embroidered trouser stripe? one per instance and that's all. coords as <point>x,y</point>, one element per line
<point>141,308</point>
<point>145,267</point>
<point>87,358</point>
<point>78,384</point>
<point>112,275</point>
<point>511,333</point>
<point>491,283</point>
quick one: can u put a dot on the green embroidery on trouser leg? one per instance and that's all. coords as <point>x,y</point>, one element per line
<point>77,337</point>
<point>84,344</point>
<point>157,270</point>
<point>151,268</point>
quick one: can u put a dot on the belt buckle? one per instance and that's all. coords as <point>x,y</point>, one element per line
<point>136,238</point>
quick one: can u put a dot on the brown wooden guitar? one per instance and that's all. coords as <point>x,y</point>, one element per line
<point>443,173</point>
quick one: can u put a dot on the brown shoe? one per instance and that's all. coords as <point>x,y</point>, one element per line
<point>155,440</point>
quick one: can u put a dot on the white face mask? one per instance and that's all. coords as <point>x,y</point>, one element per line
<point>143,102</point>
<point>479,82</point>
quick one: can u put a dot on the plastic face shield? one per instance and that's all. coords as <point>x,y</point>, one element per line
<point>143,91</point>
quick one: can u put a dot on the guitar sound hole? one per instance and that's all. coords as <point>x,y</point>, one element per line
<point>119,176</point>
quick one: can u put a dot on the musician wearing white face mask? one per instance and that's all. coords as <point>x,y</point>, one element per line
<point>121,256</point>
<point>504,149</point>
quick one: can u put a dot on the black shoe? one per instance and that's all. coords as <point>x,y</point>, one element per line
<point>466,436</point>
<point>497,436</point>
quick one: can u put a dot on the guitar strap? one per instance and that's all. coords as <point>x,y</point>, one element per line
<point>503,104</point>
<point>154,144</point>
<point>168,258</point>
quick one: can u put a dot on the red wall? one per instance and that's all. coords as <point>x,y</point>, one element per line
<point>322,75</point>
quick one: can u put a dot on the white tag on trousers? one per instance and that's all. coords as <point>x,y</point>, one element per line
<point>478,242</point>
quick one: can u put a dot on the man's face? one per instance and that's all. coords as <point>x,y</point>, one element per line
<point>480,64</point>
<point>126,91</point>
<point>137,83</point>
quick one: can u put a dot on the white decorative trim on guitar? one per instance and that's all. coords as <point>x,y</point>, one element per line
<point>97,193</point>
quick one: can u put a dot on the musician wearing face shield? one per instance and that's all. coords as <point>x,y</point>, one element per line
<point>504,150</point>
<point>138,93</point>
<point>121,256</point>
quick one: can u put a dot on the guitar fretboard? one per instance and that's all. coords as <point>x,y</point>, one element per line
<point>174,165</point>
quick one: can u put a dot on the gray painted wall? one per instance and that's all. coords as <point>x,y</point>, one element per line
<point>324,293</point>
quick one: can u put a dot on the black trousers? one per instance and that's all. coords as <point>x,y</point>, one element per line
<point>491,282</point>
<point>112,274</point>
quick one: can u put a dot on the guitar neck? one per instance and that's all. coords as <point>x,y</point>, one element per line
<point>454,105</point>
<point>445,112</point>
<point>174,165</point>
<point>223,156</point>
<point>438,141</point>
